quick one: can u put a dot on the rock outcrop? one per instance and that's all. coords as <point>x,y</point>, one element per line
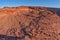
<point>29,23</point>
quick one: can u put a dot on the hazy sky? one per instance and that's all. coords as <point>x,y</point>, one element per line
<point>47,3</point>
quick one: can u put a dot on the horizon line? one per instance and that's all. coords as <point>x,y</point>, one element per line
<point>30,6</point>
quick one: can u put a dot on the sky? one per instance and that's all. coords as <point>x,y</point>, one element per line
<point>45,3</point>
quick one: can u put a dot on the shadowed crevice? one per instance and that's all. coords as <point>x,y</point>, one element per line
<point>5,37</point>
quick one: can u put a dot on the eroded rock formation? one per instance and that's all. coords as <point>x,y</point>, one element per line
<point>29,23</point>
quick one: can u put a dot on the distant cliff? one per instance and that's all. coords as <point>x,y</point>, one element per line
<point>57,10</point>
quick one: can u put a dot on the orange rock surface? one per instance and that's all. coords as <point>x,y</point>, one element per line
<point>29,23</point>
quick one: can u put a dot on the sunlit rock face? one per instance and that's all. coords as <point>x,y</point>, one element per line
<point>29,23</point>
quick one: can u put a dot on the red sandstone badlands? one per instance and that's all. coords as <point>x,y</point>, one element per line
<point>29,23</point>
